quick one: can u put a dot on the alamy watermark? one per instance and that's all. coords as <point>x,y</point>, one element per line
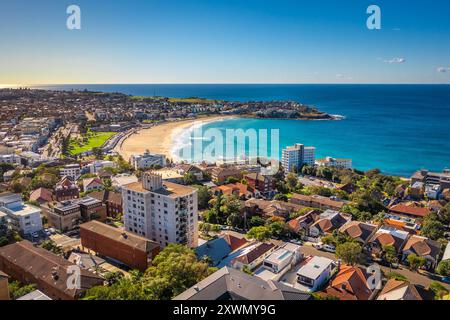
<point>249,146</point>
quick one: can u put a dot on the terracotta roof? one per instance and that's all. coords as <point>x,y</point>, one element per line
<point>357,229</point>
<point>42,194</point>
<point>410,210</point>
<point>423,246</point>
<point>349,284</point>
<point>410,293</point>
<point>234,242</point>
<point>3,275</point>
<point>255,253</point>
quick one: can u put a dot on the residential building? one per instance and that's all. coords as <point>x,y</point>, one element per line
<point>191,169</point>
<point>91,209</point>
<point>164,212</point>
<point>315,273</point>
<point>252,256</point>
<point>240,190</point>
<point>13,159</point>
<point>23,218</point>
<point>294,157</point>
<point>132,250</point>
<point>220,175</point>
<point>230,284</point>
<point>350,283</point>
<point>282,258</point>
<point>265,184</point>
<point>432,191</point>
<point>64,216</point>
<point>327,222</point>
<point>267,209</point>
<point>427,177</point>
<point>387,236</point>
<point>219,248</point>
<point>411,211</point>
<point>147,160</point>
<point>335,163</point>
<point>30,264</point>
<point>8,175</point>
<point>4,289</point>
<point>42,195</point>
<point>35,295</point>
<point>73,171</point>
<point>399,290</point>
<point>66,189</point>
<point>316,201</point>
<point>92,184</point>
<point>112,200</point>
<point>302,223</point>
<point>122,179</point>
<point>96,166</point>
<point>359,231</point>
<point>422,247</point>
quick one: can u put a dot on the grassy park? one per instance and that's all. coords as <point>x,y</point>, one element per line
<point>89,141</point>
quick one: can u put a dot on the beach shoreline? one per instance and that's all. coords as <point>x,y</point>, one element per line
<point>159,138</point>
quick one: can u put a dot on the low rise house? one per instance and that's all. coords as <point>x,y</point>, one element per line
<point>253,255</point>
<point>411,211</point>
<point>230,284</point>
<point>8,175</point>
<point>386,236</point>
<point>350,283</point>
<point>96,166</point>
<point>128,248</point>
<point>416,190</point>
<point>359,231</point>
<point>432,191</point>
<point>267,209</point>
<point>302,223</point>
<point>283,258</point>
<point>23,218</point>
<point>191,169</point>
<point>219,248</point>
<point>315,273</point>
<point>33,265</point>
<point>316,201</point>
<point>42,195</point>
<point>399,290</point>
<point>327,222</point>
<point>422,247</point>
<point>92,184</point>
<point>63,216</point>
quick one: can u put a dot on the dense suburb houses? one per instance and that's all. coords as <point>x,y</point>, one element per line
<point>315,229</point>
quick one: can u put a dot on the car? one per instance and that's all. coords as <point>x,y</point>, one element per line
<point>318,245</point>
<point>329,248</point>
<point>446,280</point>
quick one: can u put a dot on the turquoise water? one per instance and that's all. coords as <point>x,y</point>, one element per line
<point>396,128</point>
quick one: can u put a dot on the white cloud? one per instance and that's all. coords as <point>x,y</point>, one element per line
<point>442,69</point>
<point>395,60</point>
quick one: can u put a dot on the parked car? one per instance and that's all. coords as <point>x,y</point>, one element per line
<point>318,245</point>
<point>329,248</point>
<point>446,280</point>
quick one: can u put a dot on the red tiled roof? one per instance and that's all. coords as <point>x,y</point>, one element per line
<point>410,210</point>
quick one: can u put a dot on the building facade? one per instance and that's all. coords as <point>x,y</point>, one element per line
<point>163,212</point>
<point>294,157</point>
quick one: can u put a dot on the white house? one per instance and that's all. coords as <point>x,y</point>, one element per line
<point>96,166</point>
<point>315,273</point>
<point>73,171</point>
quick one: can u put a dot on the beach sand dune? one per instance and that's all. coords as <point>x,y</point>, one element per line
<point>159,139</point>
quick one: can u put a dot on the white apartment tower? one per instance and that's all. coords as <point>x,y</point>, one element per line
<point>164,212</point>
<point>297,156</point>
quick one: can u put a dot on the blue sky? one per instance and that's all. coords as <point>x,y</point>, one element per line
<point>224,41</point>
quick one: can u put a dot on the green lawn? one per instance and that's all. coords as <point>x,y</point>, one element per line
<point>91,140</point>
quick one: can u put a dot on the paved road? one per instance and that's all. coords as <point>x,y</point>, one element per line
<point>423,279</point>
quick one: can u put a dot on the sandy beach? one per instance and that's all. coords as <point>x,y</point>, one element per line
<point>158,139</point>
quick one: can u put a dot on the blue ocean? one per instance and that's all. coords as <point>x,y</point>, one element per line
<point>395,128</point>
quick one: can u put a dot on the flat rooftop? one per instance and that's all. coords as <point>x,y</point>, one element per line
<point>170,189</point>
<point>314,267</point>
<point>23,210</point>
<point>279,256</point>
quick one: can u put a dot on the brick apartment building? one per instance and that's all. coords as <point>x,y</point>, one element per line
<point>28,264</point>
<point>132,250</point>
<point>265,184</point>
